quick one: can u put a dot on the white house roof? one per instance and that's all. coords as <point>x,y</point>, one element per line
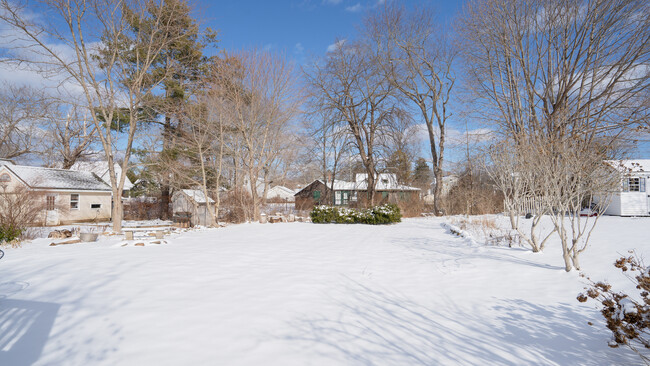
<point>384,182</point>
<point>48,178</point>
<point>100,167</point>
<point>197,195</point>
<point>634,166</point>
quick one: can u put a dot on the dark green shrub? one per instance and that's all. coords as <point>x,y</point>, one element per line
<point>378,215</point>
<point>9,233</point>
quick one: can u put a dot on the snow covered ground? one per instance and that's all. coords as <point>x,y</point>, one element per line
<point>307,294</point>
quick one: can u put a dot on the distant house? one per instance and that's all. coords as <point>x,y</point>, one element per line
<point>67,196</point>
<point>632,197</point>
<point>345,193</point>
<point>193,203</point>
<point>448,182</point>
<point>280,194</point>
<point>100,168</point>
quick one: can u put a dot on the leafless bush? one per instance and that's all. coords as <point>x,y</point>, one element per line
<point>141,209</point>
<point>627,317</point>
<point>487,229</point>
<point>237,207</point>
<point>412,207</point>
<point>473,195</point>
<point>19,208</point>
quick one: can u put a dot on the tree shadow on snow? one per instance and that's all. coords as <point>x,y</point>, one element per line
<point>375,327</point>
<point>24,329</point>
<point>455,248</point>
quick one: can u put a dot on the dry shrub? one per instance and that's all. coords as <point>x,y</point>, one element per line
<point>627,315</point>
<point>142,209</point>
<point>412,207</point>
<point>237,206</point>
<point>473,194</point>
<point>19,208</point>
<point>488,230</point>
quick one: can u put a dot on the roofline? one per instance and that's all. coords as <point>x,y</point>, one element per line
<point>109,188</point>
<point>71,190</point>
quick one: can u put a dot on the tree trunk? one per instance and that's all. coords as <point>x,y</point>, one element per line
<point>164,182</point>
<point>437,191</point>
<point>116,212</point>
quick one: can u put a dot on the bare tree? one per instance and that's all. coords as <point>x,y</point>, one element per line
<point>563,80</point>
<point>521,184</point>
<point>261,92</point>
<point>417,57</point>
<point>102,48</point>
<point>351,85</point>
<point>559,68</point>
<point>23,111</point>
<point>70,134</point>
<point>328,143</point>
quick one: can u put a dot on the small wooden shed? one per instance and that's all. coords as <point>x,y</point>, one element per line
<point>194,203</point>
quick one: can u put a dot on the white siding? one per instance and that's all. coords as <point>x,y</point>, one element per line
<point>634,204</point>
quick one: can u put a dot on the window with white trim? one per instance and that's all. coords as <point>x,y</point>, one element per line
<point>74,201</point>
<point>5,178</point>
<point>634,184</point>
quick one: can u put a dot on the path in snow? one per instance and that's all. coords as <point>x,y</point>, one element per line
<point>298,294</point>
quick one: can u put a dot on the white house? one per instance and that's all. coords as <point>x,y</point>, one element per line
<point>280,193</point>
<point>345,193</point>
<point>68,196</point>
<point>194,203</point>
<point>100,168</point>
<point>448,182</point>
<point>632,198</point>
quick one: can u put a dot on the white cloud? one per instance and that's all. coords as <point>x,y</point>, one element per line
<point>354,8</point>
<point>336,45</point>
<point>455,137</point>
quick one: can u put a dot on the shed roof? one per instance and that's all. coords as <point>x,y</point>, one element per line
<point>631,166</point>
<point>197,195</point>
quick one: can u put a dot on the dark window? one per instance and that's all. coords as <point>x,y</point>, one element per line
<point>316,195</point>
<point>634,185</point>
<point>74,201</point>
<point>95,205</point>
<point>384,194</point>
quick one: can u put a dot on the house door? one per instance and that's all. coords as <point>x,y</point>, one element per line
<point>51,213</point>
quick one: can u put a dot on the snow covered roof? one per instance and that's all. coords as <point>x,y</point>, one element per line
<point>6,162</point>
<point>384,182</point>
<point>197,195</point>
<point>631,166</point>
<point>100,167</point>
<point>48,178</point>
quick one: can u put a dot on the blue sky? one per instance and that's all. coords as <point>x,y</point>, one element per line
<point>300,28</point>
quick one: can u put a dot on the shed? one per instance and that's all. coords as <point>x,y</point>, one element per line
<point>632,197</point>
<point>194,203</point>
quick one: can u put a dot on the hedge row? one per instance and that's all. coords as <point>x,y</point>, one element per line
<point>378,215</point>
